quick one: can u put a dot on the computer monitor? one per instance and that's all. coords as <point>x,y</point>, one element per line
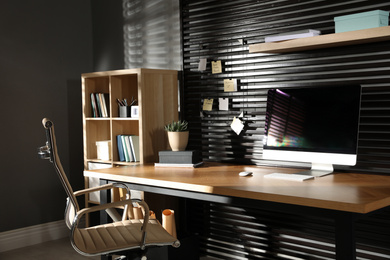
<point>319,125</point>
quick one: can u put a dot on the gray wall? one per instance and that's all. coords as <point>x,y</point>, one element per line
<point>44,47</point>
<point>107,20</point>
<point>136,34</point>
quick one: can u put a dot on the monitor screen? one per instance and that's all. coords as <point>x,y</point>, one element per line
<point>317,125</point>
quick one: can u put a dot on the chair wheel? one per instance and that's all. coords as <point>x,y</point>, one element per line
<point>144,257</point>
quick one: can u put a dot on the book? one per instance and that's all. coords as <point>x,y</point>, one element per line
<point>93,104</point>
<point>128,146</point>
<point>98,105</point>
<point>125,148</point>
<point>106,102</point>
<point>121,152</point>
<point>292,35</point>
<point>193,165</point>
<point>103,104</point>
<point>134,145</point>
<point>189,156</point>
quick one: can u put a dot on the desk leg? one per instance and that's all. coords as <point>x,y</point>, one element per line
<point>105,196</point>
<point>345,236</point>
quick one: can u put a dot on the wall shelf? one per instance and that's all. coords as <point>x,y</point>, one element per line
<point>324,41</point>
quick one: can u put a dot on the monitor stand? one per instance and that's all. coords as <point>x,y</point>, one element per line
<point>318,170</point>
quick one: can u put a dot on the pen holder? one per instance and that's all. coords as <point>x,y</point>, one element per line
<point>124,111</point>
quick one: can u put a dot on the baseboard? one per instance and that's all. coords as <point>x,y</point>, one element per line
<point>32,235</point>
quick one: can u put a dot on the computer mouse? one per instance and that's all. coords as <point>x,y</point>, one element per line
<point>246,173</point>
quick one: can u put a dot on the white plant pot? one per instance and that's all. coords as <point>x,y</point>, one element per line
<point>178,140</point>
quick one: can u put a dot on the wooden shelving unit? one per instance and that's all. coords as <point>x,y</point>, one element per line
<point>324,41</point>
<point>157,95</point>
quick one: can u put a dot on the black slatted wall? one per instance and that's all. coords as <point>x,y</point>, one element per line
<point>215,30</point>
<point>237,232</point>
<point>222,30</point>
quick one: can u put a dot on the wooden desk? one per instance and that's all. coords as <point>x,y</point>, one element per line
<point>345,195</point>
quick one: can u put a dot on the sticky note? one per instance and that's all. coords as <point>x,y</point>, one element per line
<point>230,85</point>
<point>237,125</point>
<point>223,103</point>
<point>202,64</point>
<point>208,104</point>
<point>216,67</point>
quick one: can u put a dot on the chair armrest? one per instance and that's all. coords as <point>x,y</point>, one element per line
<point>142,203</point>
<point>105,206</point>
<point>93,189</point>
<point>107,187</point>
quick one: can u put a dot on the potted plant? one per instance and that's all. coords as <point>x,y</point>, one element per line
<point>177,135</point>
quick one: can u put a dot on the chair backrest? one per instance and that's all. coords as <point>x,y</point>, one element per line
<point>54,158</point>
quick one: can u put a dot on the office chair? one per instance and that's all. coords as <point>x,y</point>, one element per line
<point>106,239</point>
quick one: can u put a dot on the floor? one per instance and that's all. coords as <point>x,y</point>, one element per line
<point>58,249</point>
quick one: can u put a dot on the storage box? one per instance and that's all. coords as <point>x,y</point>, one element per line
<point>180,157</point>
<point>361,21</point>
<point>103,149</point>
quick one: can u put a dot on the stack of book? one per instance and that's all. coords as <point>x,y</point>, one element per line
<point>100,104</point>
<point>179,159</point>
<point>128,148</point>
<point>292,35</point>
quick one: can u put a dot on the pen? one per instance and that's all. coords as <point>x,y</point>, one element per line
<point>119,102</point>
<point>133,101</point>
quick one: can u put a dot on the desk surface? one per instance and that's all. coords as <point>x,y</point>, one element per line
<point>352,192</point>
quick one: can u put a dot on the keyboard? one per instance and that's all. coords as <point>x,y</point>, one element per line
<point>288,177</point>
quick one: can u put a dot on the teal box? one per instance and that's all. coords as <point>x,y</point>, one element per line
<point>361,21</point>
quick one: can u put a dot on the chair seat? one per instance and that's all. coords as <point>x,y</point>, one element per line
<point>120,235</point>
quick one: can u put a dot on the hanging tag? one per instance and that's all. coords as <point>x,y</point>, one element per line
<point>202,64</point>
<point>216,66</point>
<point>242,41</point>
<point>208,104</point>
<point>230,85</point>
<point>237,125</point>
<point>223,103</point>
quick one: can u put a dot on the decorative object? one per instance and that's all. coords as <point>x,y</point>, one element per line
<point>168,222</point>
<point>360,21</point>
<point>135,111</point>
<point>177,135</point>
<point>103,150</point>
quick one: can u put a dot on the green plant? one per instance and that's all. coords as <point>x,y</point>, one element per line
<point>177,126</point>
